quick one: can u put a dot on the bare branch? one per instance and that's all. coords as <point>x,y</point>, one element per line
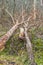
<point>29,18</point>
<point>10,15</point>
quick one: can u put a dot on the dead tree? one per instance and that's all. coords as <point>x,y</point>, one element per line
<point>29,48</point>
<point>6,37</point>
<point>28,42</point>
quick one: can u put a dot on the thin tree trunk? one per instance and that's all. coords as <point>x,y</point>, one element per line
<point>6,37</point>
<point>29,49</point>
<point>34,9</point>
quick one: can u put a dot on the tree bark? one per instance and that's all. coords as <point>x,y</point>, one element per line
<point>6,37</point>
<point>29,49</point>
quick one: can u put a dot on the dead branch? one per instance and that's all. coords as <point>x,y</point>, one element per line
<point>10,15</point>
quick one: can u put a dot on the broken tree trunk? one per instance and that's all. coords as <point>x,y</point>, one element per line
<point>6,37</point>
<point>29,49</point>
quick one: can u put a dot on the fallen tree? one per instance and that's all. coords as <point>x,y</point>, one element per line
<point>29,49</point>
<point>6,37</point>
<point>28,42</point>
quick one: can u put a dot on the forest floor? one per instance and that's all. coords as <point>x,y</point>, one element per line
<point>20,60</point>
<point>22,57</point>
